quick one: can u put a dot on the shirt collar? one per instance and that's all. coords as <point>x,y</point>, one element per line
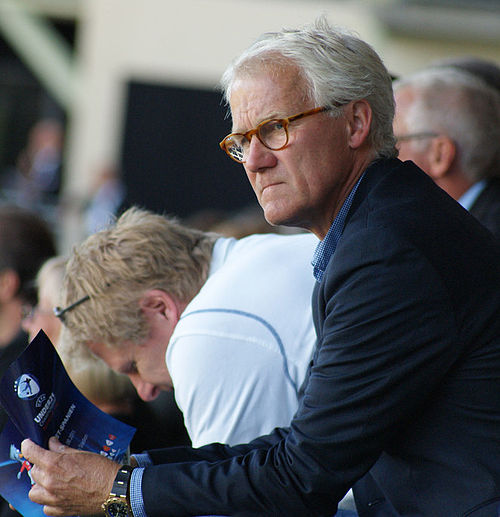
<point>326,248</point>
<point>468,198</point>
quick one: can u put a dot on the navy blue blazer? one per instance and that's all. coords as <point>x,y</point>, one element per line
<point>403,393</point>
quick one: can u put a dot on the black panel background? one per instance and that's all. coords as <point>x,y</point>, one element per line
<point>171,160</point>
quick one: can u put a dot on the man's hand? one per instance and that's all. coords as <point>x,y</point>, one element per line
<point>68,481</point>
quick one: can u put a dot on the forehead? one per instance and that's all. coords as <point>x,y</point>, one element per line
<point>404,98</point>
<point>266,93</point>
<point>115,357</point>
<point>44,300</point>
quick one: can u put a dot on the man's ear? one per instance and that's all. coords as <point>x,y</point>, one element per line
<point>359,116</point>
<point>9,285</point>
<point>156,302</point>
<point>442,152</point>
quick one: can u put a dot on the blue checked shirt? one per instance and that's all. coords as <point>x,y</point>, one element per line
<point>326,248</point>
<point>136,501</point>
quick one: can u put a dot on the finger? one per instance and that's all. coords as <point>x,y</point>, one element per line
<point>54,511</point>
<point>34,474</point>
<point>37,455</point>
<point>38,494</point>
<point>52,505</point>
<point>31,451</point>
<point>55,445</point>
<point>26,443</point>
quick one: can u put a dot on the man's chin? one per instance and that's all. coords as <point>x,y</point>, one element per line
<point>274,215</point>
<point>280,218</point>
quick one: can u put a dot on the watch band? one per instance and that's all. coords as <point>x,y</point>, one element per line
<point>118,502</point>
<point>121,482</point>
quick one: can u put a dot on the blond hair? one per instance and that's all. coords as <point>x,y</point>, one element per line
<point>117,265</point>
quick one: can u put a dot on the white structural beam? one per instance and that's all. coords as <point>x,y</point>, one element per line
<point>40,47</point>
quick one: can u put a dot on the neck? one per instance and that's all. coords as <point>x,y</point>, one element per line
<point>455,184</point>
<point>357,171</point>
<point>10,323</point>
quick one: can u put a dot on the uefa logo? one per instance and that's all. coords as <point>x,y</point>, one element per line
<point>26,386</point>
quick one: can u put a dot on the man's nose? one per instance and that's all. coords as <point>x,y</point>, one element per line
<point>146,390</point>
<point>259,157</point>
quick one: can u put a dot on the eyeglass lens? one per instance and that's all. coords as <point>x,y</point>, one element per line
<point>272,134</point>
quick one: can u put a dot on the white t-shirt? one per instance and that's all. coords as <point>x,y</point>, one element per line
<point>240,351</point>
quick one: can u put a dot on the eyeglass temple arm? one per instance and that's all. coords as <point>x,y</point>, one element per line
<point>59,312</point>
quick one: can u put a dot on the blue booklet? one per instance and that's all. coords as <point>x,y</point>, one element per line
<point>15,479</point>
<point>39,401</point>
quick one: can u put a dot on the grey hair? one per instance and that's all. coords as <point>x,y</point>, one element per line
<point>336,66</point>
<point>462,106</point>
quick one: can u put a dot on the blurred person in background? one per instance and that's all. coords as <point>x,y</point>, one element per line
<point>106,197</point>
<point>25,243</point>
<point>35,181</point>
<point>239,223</point>
<point>447,121</point>
<point>48,284</point>
<point>247,221</point>
<point>485,69</point>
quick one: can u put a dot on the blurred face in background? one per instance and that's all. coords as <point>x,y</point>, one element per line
<point>414,149</point>
<point>42,317</point>
<point>10,306</point>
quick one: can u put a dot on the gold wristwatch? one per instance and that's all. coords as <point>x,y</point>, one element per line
<point>118,503</point>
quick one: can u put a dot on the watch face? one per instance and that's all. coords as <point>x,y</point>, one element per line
<point>117,509</point>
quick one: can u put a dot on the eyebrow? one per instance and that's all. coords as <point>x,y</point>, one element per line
<point>128,367</point>
<point>267,117</point>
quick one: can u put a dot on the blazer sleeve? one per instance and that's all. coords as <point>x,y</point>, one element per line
<point>387,338</point>
<point>213,452</point>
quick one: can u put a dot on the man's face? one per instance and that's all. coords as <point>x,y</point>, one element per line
<point>414,150</point>
<point>303,184</point>
<point>42,317</point>
<point>144,364</point>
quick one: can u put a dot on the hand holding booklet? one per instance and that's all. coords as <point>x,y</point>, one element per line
<point>39,401</point>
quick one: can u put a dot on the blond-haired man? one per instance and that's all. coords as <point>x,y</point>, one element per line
<point>217,318</point>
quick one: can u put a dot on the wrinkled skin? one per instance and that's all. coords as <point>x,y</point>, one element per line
<point>68,481</point>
